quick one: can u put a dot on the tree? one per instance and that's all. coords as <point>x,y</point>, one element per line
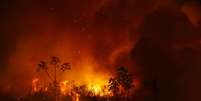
<point>57,65</point>
<point>114,85</point>
<point>123,78</point>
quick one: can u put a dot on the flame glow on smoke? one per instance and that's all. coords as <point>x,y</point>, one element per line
<point>92,43</point>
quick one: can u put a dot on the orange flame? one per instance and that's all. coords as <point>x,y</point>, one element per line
<point>35,85</point>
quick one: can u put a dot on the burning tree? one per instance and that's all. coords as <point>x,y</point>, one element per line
<point>57,66</point>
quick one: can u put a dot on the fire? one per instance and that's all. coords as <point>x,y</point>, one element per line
<point>63,87</point>
<point>77,97</point>
<point>99,88</point>
<point>87,82</point>
<point>35,87</point>
<point>96,88</point>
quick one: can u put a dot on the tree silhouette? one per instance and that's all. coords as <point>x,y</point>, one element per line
<point>125,79</point>
<point>57,66</point>
<point>114,86</point>
<point>122,78</point>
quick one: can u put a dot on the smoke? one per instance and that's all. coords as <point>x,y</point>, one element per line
<point>95,36</point>
<point>75,31</point>
<point>168,52</point>
<point>192,10</point>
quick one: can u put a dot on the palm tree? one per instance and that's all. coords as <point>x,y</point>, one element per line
<point>43,66</point>
<point>58,66</point>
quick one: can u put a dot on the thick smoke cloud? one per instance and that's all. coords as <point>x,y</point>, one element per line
<point>169,51</point>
